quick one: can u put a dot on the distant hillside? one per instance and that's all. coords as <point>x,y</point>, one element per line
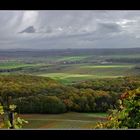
<point>67,52</point>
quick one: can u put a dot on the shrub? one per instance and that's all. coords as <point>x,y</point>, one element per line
<point>128,113</point>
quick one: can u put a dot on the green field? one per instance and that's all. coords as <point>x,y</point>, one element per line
<point>72,68</point>
<point>109,66</point>
<point>70,73</point>
<point>74,73</point>
<point>14,64</point>
<point>69,78</point>
<point>71,120</point>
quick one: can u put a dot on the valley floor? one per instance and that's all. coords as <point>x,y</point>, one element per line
<point>71,120</point>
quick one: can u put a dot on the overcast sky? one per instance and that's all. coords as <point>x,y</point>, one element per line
<point>69,29</point>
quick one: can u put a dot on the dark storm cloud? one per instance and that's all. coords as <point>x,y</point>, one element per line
<point>29,29</point>
<point>69,29</point>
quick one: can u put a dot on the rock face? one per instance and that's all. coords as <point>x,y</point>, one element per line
<point>29,29</point>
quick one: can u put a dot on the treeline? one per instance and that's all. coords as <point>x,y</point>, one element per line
<point>11,69</point>
<point>84,101</point>
<point>124,60</point>
<point>33,94</point>
<point>117,85</point>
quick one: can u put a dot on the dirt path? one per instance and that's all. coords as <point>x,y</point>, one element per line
<point>62,120</point>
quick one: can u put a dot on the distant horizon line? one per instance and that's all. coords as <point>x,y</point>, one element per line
<point>63,48</point>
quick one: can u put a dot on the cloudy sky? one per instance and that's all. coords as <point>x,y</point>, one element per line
<point>69,29</point>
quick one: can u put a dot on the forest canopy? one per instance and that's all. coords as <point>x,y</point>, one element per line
<point>34,94</point>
